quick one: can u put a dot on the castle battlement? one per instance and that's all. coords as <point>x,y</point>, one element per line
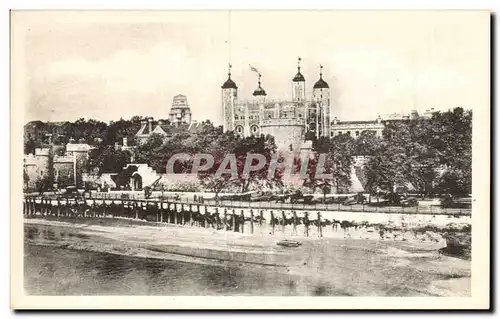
<point>30,159</point>
<point>63,159</point>
<point>42,151</point>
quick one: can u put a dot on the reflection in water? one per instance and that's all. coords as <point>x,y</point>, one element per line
<point>57,271</point>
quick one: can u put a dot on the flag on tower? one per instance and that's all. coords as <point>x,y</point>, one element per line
<point>254,69</point>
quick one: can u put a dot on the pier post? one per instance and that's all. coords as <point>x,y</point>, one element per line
<point>42,207</point>
<point>251,221</point>
<point>67,210</point>
<point>58,208</point>
<point>272,222</point>
<point>261,215</point>
<point>242,222</point>
<point>113,208</point>
<point>320,230</point>
<point>206,217</point>
<point>199,214</point>
<point>123,208</point>
<point>183,221</point>
<point>294,231</point>
<point>161,211</point>
<point>234,220</point>
<point>225,220</point>
<point>216,214</point>
<point>306,223</point>
<point>190,215</point>
<point>284,219</point>
<point>175,213</point>
<point>136,209</point>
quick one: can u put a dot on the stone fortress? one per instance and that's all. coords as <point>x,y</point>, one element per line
<point>287,120</point>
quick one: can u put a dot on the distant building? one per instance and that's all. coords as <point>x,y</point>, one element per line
<point>356,128</point>
<point>180,113</point>
<point>167,130</point>
<point>180,120</point>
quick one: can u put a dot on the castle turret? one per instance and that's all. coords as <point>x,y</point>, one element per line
<point>259,91</point>
<point>299,85</point>
<point>321,96</point>
<point>229,96</point>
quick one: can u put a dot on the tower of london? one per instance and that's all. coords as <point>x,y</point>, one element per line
<point>289,121</point>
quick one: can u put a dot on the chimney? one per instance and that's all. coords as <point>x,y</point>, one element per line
<point>335,120</point>
<point>150,124</point>
<point>125,141</point>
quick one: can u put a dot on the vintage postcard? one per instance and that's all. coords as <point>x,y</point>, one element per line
<point>250,159</point>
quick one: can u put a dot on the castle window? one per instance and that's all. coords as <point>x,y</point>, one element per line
<point>332,134</point>
<point>236,117</point>
<point>239,129</point>
<point>250,117</point>
<point>339,133</point>
<point>348,133</point>
<point>269,116</point>
<point>357,133</point>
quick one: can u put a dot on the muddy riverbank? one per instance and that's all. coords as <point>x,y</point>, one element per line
<point>248,264</point>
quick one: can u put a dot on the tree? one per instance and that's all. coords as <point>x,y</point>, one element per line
<point>108,159</point>
<point>218,148</point>
<point>262,145</point>
<point>87,131</point>
<point>152,153</point>
<point>431,155</point>
<point>120,129</point>
<point>339,151</point>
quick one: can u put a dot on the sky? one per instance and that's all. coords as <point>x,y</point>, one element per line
<point>110,65</point>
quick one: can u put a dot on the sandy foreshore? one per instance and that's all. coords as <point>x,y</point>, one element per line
<point>354,266</point>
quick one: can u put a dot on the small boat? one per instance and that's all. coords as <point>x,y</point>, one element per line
<point>289,243</point>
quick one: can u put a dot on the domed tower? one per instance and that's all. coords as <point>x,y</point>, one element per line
<point>229,96</point>
<point>259,92</point>
<point>180,111</point>
<point>299,85</point>
<point>260,97</point>
<point>321,96</point>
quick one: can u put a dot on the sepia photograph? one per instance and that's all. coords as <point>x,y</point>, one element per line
<point>173,159</point>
